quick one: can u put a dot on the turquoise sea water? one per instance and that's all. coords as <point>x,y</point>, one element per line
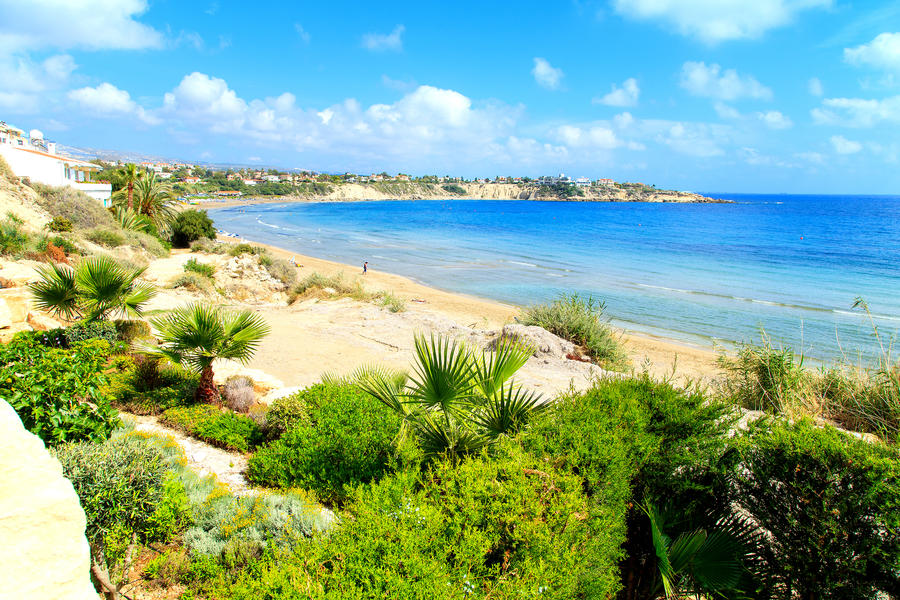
<point>692,272</point>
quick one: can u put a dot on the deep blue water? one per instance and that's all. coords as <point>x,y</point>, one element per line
<point>792,265</point>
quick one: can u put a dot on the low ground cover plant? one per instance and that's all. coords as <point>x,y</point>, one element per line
<point>336,436</point>
<point>141,385</point>
<point>105,237</point>
<point>195,266</point>
<point>580,320</point>
<point>219,427</point>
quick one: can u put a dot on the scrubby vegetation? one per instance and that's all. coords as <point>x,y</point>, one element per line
<point>452,188</point>
<point>194,266</point>
<point>190,226</point>
<point>219,427</point>
<point>581,321</point>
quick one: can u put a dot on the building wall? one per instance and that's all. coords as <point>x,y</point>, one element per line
<point>52,171</point>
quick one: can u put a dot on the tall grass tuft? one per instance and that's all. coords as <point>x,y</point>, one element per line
<point>392,302</point>
<point>334,286</point>
<point>195,266</point>
<point>580,320</point>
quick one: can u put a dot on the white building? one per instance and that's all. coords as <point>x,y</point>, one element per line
<point>35,158</point>
<point>583,182</point>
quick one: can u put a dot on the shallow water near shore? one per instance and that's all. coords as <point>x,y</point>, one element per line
<point>697,273</point>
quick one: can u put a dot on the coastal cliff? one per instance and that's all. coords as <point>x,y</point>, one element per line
<point>350,192</point>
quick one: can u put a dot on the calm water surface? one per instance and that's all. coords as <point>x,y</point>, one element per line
<point>792,265</point>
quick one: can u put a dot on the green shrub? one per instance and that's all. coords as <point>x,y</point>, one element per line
<point>454,189</point>
<point>173,514</point>
<point>243,248</point>
<point>120,485</point>
<point>194,266</point>
<point>59,225</point>
<point>762,377</point>
<point>152,244</point>
<point>56,391</point>
<point>220,428</point>
<point>830,508</point>
<point>392,302</point>
<point>191,225</point>
<point>338,285</point>
<point>287,412</point>
<point>80,209</point>
<point>282,270</point>
<point>67,246</point>
<point>13,240</point>
<point>130,330</point>
<point>105,237</point>
<point>91,330</point>
<point>209,246</point>
<point>349,441</point>
<point>638,440</point>
<point>226,526</point>
<point>580,321</point>
<point>142,387</point>
<point>504,527</point>
<point>193,282</point>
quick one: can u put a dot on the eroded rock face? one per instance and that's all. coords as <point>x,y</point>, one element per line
<point>546,345</point>
<point>243,278</point>
<point>43,551</point>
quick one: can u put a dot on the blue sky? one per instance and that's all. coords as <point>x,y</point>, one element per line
<point>798,96</point>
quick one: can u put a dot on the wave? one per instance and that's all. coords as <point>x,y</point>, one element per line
<point>261,222</point>
<point>874,315</point>
<point>742,299</point>
<point>524,264</point>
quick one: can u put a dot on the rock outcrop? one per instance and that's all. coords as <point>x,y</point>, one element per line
<point>545,344</point>
<point>244,279</point>
<point>43,551</point>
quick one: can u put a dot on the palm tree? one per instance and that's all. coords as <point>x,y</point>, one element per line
<point>97,289</point>
<point>155,200</point>
<point>131,174</point>
<point>131,220</point>
<point>195,335</point>
<point>456,401</point>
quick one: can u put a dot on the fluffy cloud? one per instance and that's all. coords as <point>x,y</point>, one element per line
<point>88,24</point>
<point>26,82</point>
<point>627,95</point>
<point>774,119</point>
<point>596,137</point>
<point>842,145</point>
<point>857,112</point>
<point>883,53</point>
<point>379,42</point>
<point>714,21</point>
<point>815,87</point>
<point>302,33</point>
<point>108,100</point>
<point>546,75</point>
<point>711,81</point>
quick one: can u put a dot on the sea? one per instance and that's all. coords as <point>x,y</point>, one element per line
<point>787,267</point>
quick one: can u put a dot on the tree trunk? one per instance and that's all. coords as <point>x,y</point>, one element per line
<point>130,195</point>
<point>108,590</point>
<point>207,393</point>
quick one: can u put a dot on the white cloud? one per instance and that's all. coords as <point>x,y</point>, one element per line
<point>109,101</point>
<point>302,33</point>
<point>25,83</point>
<point>701,79</point>
<point>815,87</point>
<point>206,98</point>
<point>595,137</point>
<point>774,119</point>
<point>627,95</point>
<point>88,24</point>
<point>842,145</point>
<point>725,111</point>
<point>714,21</point>
<point>882,53</point>
<point>546,75</point>
<point>857,112</point>
<point>378,42</point>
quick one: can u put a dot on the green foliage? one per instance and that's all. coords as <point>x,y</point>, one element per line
<point>457,400</point>
<point>287,412</point>
<point>762,377</point>
<point>190,226</point>
<point>455,189</point>
<point>193,265</point>
<point>131,330</point>
<point>105,237</point>
<point>193,282</point>
<point>211,424</point>
<point>13,239</point>
<point>173,514</point>
<point>96,289</point>
<point>209,246</point>
<point>392,302</point>
<point>120,486</point>
<point>56,391</point>
<point>91,330</point>
<point>335,286</point>
<point>80,209</point>
<point>243,248</point>
<point>130,220</point>
<point>67,246</point>
<point>59,225</point>
<point>142,386</point>
<point>150,243</point>
<point>237,528</point>
<point>580,321</point>
<point>830,508</point>
<point>504,527</point>
<point>348,441</point>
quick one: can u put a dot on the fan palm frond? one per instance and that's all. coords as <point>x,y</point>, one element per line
<point>508,410</point>
<point>443,376</point>
<point>494,369</point>
<point>55,292</point>
<point>130,220</point>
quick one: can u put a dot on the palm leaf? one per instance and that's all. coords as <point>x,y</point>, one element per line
<point>496,368</point>
<point>242,333</point>
<point>443,376</point>
<point>440,437</point>
<point>508,410</point>
<point>661,544</point>
<point>56,291</point>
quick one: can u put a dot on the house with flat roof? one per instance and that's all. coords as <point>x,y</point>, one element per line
<point>34,157</point>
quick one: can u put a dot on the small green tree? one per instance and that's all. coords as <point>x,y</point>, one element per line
<point>99,288</point>
<point>191,225</point>
<point>194,336</point>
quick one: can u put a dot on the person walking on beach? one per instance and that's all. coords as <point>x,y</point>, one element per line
<point>365,267</point>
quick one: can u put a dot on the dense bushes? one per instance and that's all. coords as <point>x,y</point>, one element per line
<point>348,441</point>
<point>56,391</point>
<point>830,508</point>
<point>144,387</point>
<point>190,226</point>
<point>580,321</point>
<point>454,189</point>
<point>105,237</point>
<point>59,225</point>
<point>220,428</point>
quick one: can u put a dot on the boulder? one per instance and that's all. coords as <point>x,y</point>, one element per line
<point>41,322</point>
<point>545,344</point>
<point>43,550</point>
<point>18,302</point>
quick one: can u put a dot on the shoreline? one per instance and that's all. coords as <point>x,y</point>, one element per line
<point>662,355</point>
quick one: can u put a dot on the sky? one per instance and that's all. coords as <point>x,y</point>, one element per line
<point>769,96</point>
